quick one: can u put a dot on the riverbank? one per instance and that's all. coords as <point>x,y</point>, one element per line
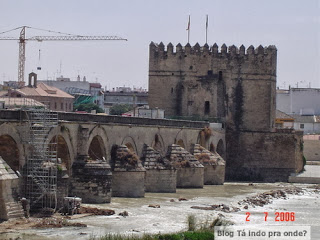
<point>164,213</point>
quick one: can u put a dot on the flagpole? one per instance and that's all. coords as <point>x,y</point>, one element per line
<point>207,29</point>
<point>188,29</point>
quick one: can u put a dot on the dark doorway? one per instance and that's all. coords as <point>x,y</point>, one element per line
<point>206,107</point>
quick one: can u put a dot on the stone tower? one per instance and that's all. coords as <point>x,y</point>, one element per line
<point>233,84</point>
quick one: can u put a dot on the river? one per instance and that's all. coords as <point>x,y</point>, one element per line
<point>172,214</point>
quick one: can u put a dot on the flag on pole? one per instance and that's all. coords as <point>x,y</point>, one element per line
<point>207,29</point>
<point>188,28</point>
<point>207,23</point>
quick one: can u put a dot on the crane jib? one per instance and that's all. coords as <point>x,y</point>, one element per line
<point>69,37</point>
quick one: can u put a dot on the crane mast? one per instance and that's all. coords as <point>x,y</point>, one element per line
<point>22,45</point>
<point>22,56</point>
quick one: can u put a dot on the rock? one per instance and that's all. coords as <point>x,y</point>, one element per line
<point>203,208</point>
<point>124,214</point>
<point>97,211</point>
<point>154,206</point>
<point>172,200</point>
<point>183,199</point>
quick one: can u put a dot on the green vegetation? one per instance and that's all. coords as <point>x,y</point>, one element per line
<point>304,163</point>
<point>88,107</point>
<point>203,232</point>
<point>199,235</point>
<point>119,109</point>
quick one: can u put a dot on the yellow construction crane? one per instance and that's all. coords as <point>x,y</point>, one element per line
<point>67,37</point>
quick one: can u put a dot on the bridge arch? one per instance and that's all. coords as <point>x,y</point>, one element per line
<point>64,144</point>
<point>130,143</point>
<point>9,151</point>
<point>158,143</point>
<point>212,148</point>
<point>97,143</point>
<point>220,148</point>
<point>96,148</point>
<point>63,151</point>
<point>11,147</point>
<point>182,140</point>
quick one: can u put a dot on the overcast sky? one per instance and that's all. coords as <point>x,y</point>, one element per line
<point>291,25</point>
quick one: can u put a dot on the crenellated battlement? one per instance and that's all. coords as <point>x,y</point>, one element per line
<point>211,50</point>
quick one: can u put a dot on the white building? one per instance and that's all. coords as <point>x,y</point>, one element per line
<point>307,124</point>
<point>302,101</point>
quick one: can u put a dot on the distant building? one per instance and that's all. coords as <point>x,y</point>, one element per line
<point>145,112</point>
<point>284,120</point>
<point>126,96</point>
<point>302,101</point>
<point>308,124</point>
<point>77,88</point>
<point>18,102</point>
<point>53,97</point>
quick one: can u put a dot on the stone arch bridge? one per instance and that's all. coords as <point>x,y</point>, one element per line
<point>94,135</point>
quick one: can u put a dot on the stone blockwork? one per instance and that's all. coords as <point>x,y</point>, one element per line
<point>268,157</point>
<point>128,173</point>
<point>10,207</point>
<point>214,165</point>
<point>161,176</point>
<point>237,86</point>
<point>91,181</point>
<point>231,84</point>
<point>190,172</point>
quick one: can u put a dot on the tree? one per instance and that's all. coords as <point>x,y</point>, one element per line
<point>119,109</point>
<point>88,107</point>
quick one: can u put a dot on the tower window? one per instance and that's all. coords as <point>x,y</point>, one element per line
<point>220,75</point>
<point>206,107</point>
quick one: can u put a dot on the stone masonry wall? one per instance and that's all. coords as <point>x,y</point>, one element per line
<point>91,181</point>
<point>128,174</point>
<point>160,174</point>
<point>268,157</point>
<point>161,180</point>
<point>232,83</point>
<point>190,172</point>
<point>214,165</point>
<point>10,207</point>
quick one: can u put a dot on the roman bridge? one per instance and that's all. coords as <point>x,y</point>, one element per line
<point>94,135</point>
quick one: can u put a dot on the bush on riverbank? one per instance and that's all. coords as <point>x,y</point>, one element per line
<point>197,235</point>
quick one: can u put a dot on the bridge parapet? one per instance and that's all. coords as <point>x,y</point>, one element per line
<point>18,115</point>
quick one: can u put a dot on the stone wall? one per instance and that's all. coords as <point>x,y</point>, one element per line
<point>128,184</point>
<point>160,174</point>
<point>128,178</point>
<point>260,156</point>
<point>161,180</point>
<point>190,172</point>
<point>10,207</point>
<point>233,84</point>
<point>214,165</point>
<point>91,181</point>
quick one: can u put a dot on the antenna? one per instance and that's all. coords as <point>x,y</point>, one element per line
<point>60,68</point>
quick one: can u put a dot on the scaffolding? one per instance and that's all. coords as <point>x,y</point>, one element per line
<point>41,162</point>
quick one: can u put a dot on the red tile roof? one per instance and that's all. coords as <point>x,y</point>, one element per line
<point>43,89</point>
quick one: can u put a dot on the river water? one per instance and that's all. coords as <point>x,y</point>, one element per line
<point>172,216</point>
